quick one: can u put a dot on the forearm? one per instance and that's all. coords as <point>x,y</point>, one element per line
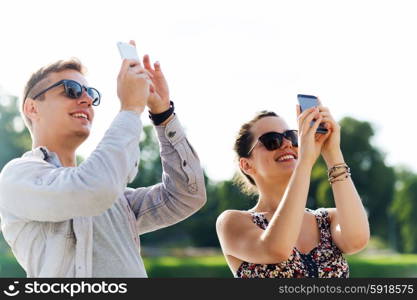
<point>285,225</point>
<point>182,191</point>
<point>183,176</point>
<point>351,214</point>
<point>36,190</point>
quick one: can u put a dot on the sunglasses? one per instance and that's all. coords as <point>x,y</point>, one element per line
<point>273,140</point>
<point>74,90</point>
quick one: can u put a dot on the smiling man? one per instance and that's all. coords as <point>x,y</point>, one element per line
<point>64,220</point>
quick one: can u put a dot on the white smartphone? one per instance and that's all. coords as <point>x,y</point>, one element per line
<point>127,51</point>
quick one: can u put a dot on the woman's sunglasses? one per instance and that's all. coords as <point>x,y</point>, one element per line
<point>273,140</point>
<point>74,90</point>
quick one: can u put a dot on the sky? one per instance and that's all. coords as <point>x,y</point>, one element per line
<point>226,60</point>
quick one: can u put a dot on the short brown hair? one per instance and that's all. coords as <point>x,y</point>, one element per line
<point>33,87</point>
<point>242,146</point>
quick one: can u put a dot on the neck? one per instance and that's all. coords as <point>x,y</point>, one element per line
<point>270,195</point>
<point>64,150</point>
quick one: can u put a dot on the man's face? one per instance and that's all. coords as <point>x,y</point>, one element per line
<point>63,116</point>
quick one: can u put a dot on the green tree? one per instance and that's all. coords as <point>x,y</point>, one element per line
<point>150,168</point>
<point>14,141</point>
<point>14,136</point>
<point>404,208</point>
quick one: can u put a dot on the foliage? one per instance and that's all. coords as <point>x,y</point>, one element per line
<point>404,208</point>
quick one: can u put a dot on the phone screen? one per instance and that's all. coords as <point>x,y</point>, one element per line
<point>306,102</point>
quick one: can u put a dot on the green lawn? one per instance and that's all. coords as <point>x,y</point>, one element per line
<point>215,266</point>
<point>404,265</point>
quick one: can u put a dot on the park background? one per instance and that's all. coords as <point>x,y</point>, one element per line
<point>224,61</point>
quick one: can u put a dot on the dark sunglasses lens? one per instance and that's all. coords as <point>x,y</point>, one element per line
<point>95,95</point>
<point>271,141</point>
<point>73,89</point>
<point>292,135</point>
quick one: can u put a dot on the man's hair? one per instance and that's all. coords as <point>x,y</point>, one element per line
<point>34,84</point>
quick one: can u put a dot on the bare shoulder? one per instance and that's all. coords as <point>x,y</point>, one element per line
<point>230,218</point>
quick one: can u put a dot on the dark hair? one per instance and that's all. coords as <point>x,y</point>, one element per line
<point>243,142</point>
<point>33,87</point>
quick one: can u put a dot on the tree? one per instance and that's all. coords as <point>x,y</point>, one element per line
<point>14,136</point>
<point>404,208</point>
<point>14,141</point>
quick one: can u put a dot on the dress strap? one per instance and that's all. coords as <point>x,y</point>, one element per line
<point>323,221</point>
<point>259,219</point>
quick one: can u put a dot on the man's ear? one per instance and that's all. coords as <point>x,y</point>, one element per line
<point>30,109</point>
<point>246,166</point>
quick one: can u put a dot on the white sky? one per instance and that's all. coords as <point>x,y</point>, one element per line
<point>226,60</point>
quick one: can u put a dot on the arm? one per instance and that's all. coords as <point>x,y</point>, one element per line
<point>245,241</point>
<point>182,191</point>
<point>34,189</point>
<point>349,222</point>
<point>240,238</point>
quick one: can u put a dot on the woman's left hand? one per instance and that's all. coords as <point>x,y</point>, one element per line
<point>331,151</point>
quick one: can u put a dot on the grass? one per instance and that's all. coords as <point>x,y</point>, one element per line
<point>401,265</point>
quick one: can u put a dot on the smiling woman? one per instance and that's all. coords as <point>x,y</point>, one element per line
<point>280,237</point>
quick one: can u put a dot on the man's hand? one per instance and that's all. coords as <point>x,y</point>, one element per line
<point>158,101</point>
<point>133,86</point>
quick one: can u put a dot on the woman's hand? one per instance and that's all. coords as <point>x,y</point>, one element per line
<point>309,142</point>
<point>331,151</point>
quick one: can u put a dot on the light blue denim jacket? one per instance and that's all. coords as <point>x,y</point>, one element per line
<point>46,210</point>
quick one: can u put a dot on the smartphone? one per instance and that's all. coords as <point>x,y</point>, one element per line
<point>127,51</point>
<point>306,102</point>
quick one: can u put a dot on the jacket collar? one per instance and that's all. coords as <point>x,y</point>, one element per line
<point>43,153</point>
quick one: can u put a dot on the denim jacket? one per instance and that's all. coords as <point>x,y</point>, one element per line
<point>46,210</point>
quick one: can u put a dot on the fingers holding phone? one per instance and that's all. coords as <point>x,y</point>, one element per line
<point>132,86</point>
<point>308,101</point>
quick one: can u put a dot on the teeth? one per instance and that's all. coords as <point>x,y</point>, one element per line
<point>289,156</point>
<point>80,115</point>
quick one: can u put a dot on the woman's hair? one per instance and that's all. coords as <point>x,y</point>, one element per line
<point>243,142</point>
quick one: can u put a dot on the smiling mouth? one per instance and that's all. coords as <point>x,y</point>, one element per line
<point>80,116</point>
<point>286,157</point>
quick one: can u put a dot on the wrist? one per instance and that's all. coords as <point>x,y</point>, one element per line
<point>167,120</point>
<point>304,163</point>
<point>157,109</point>
<point>136,109</point>
<point>334,158</point>
<point>164,117</point>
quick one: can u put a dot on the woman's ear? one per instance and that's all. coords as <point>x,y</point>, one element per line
<point>246,166</point>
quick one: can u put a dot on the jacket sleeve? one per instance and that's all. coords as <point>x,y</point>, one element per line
<point>181,192</point>
<point>34,189</point>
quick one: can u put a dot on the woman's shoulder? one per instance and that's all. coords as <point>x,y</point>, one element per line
<point>232,217</point>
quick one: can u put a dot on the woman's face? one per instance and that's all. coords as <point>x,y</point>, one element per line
<point>278,164</point>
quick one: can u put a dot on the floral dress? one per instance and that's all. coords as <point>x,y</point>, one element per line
<point>324,261</point>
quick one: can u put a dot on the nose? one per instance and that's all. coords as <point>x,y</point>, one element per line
<point>286,143</point>
<point>85,99</point>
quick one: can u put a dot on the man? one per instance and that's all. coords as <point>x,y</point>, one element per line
<point>63,220</point>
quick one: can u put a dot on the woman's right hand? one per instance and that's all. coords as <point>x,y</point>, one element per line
<point>309,142</point>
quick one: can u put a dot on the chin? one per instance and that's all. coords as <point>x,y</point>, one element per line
<point>84,134</point>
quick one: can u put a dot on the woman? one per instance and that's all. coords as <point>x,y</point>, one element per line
<point>279,237</point>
